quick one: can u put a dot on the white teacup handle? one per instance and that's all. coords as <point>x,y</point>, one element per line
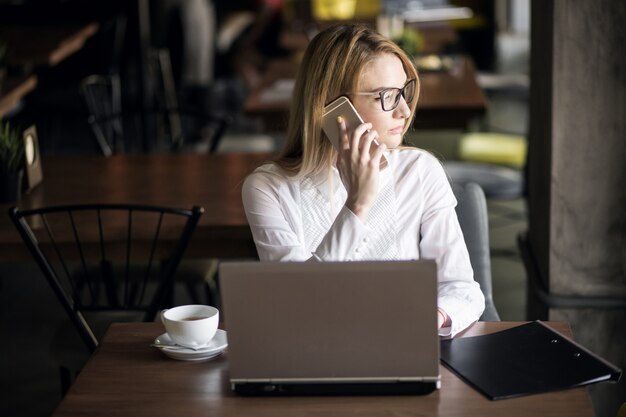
<point>161,315</point>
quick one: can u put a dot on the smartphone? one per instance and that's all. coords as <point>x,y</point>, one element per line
<point>344,108</point>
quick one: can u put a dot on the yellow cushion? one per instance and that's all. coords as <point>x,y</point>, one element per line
<point>345,9</point>
<point>494,148</point>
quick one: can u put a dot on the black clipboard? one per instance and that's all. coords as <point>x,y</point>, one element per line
<point>528,359</point>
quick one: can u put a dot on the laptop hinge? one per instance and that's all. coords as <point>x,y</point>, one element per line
<point>332,380</point>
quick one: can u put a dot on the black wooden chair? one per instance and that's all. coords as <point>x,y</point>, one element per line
<point>105,263</point>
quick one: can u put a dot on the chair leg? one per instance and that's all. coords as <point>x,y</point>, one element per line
<point>191,292</point>
<point>207,285</point>
<point>212,284</point>
<point>200,285</point>
<point>208,293</point>
<point>66,379</point>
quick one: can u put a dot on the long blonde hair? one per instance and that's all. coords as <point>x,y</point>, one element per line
<point>331,66</point>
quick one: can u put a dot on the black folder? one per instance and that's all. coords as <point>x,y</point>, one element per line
<point>527,359</point>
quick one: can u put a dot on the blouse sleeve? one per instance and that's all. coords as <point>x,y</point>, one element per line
<point>442,239</point>
<point>271,213</point>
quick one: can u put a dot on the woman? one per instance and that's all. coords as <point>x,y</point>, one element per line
<point>318,203</point>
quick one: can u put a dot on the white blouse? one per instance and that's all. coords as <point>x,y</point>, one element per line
<point>413,216</point>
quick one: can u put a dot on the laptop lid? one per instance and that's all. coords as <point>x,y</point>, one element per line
<point>331,322</point>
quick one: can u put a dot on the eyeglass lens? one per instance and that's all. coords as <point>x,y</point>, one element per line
<point>391,98</point>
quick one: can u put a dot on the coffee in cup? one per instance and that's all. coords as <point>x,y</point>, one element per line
<point>191,325</point>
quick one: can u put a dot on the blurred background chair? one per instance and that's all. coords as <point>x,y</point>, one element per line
<point>493,148</point>
<point>104,263</point>
<point>103,97</point>
<point>493,160</point>
<point>494,155</point>
<point>162,124</point>
<point>155,95</point>
<point>497,182</point>
<point>471,210</point>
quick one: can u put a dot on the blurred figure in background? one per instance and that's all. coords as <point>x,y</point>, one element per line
<point>249,35</point>
<point>188,29</point>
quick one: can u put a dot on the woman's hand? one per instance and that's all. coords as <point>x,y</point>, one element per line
<point>358,163</point>
<point>443,320</point>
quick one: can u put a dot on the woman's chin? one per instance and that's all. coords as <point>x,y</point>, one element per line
<point>392,141</point>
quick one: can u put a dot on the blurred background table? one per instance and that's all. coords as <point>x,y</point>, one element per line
<point>176,180</point>
<point>12,91</point>
<point>449,98</point>
<point>45,44</point>
<point>33,46</point>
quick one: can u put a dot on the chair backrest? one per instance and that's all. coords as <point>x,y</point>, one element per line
<point>103,97</point>
<point>117,130</point>
<point>471,211</point>
<point>107,258</point>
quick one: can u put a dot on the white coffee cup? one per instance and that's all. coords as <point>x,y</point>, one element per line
<point>191,325</point>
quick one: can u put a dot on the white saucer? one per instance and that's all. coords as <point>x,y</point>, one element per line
<point>215,347</point>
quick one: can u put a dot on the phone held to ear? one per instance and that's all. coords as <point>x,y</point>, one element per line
<point>344,108</point>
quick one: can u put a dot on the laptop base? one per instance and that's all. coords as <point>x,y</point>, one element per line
<point>278,389</point>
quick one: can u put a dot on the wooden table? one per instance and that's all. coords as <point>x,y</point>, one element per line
<point>177,180</point>
<point>448,99</point>
<point>32,46</point>
<point>44,45</point>
<point>126,377</point>
<point>13,89</point>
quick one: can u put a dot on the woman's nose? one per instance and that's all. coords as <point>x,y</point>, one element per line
<point>403,110</point>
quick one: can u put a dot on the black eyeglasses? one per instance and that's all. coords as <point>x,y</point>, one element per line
<point>390,97</point>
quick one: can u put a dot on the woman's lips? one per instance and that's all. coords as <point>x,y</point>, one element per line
<point>396,130</point>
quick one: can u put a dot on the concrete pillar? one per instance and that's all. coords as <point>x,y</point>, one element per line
<point>577,177</point>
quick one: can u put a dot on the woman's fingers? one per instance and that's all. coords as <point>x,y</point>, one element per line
<point>358,143</point>
<point>366,149</point>
<point>378,154</point>
<point>357,137</point>
<point>358,140</point>
<point>344,141</point>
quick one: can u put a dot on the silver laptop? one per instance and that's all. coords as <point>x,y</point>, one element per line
<point>331,328</point>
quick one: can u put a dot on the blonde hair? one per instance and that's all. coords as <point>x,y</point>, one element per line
<point>331,66</point>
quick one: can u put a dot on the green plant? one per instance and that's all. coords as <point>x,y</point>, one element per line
<point>11,148</point>
<point>411,41</point>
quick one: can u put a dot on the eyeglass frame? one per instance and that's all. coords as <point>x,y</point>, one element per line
<point>385,90</point>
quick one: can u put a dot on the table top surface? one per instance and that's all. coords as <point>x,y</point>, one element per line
<point>126,377</point>
<point>32,46</point>
<point>212,181</point>
<point>13,89</point>
<point>38,45</point>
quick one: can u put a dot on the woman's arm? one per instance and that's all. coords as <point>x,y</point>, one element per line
<point>274,214</point>
<point>460,297</point>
